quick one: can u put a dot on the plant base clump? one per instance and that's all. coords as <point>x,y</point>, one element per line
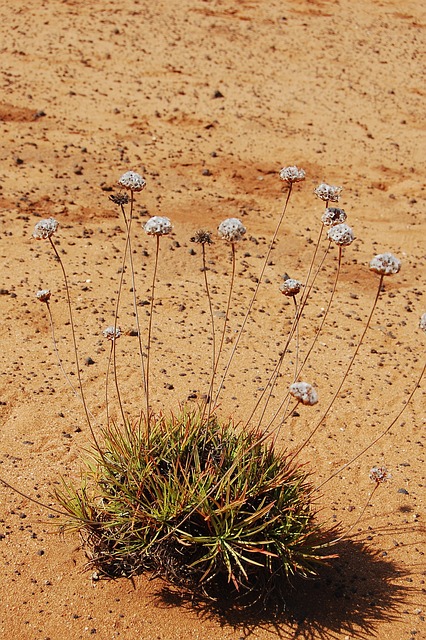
<point>199,503</point>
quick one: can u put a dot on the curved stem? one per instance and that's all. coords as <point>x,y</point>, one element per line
<point>80,384</point>
<point>344,376</point>
<point>379,437</point>
<point>135,304</point>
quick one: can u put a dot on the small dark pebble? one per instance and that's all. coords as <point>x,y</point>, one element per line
<point>40,552</point>
<point>192,252</point>
<point>218,94</point>
<point>133,332</point>
<point>404,491</point>
<point>4,292</point>
<point>168,386</point>
<point>207,172</point>
<point>89,360</point>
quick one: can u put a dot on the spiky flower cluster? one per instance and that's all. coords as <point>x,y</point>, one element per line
<point>112,333</point>
<point>385,264</point>
<point>379,474</point>
<point>45,228</point>
<point>332,216</point>
<point>304,393</point>
<point>119,198</point>
<point>158,226</point>
<point>328,192</point>
<point>292,174</point>
<point>341,234</point>
<point>290,287</point>
<point>132,181</point>
<point>202,237</point>
<point>43,295</point>
<point>231,230</point>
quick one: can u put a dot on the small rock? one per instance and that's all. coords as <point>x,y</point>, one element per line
<point>404,491</point>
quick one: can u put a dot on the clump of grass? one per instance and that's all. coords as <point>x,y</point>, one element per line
<point>199,503</point>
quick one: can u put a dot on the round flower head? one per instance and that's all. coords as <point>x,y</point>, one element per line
<point>43,295</point>
<point>45,228</point>
<point>304,393</point>
<point>385,264</point>
<point>132,181</point>
<point>111,333</point>
<point>292,174</point>
<point>332,216</point>
<point>328,193</point>
<point>158,226</point>
<point>422,323</point>
<point>231,230</point>
<point>379,474</point>
<point>341,234</point>
<point>290,287</point>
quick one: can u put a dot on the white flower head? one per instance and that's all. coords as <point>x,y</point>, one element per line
<point>422,323</point>
<point>292,174</point>
<point>332,216</point>
<point>304,393</point>
<point>231,230</point>
<point>290,287</point>
<point>43,295</point>
<point>158,226</point>
<point>112,333</point>
<point>328,192</point>
<point>385,264</point>
<point>379,474</point>
<point>132,181</point>
<point>341,234</point>
<point>45,228</point>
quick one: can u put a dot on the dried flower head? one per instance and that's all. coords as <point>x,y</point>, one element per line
<point>231,230</point>
<point>379,474</point>
<point>43,295</point>
<point>119,198</point>
<point>341,234</point>
<point>202,237</point>
<point>112,333</point>
<point>292,174</point>
<point>385,264</point>
<point>45,228</point>
<point>158,226</point>
<point>132,181</point>
<point>422,323</point>
<point>304,393</point>
<point>290,287</point>
<point>328,193</point>
<point>333,215</point>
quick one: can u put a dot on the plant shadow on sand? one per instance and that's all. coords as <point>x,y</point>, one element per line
<point>356,592</point>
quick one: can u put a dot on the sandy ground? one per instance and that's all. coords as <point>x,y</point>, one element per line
<point>208,100</point>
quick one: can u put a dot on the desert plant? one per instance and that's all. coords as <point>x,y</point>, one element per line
<point>197,502</point>
<point>197,499</point>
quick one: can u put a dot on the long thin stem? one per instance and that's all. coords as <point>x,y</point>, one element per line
<point>34,500</point>
<point>379,437</point>
<point>206,283</point>
<point>252,301</point>
<point>80,384</point>
<point>225,324</point>
<point>342,382</point>
<point>135,302</point>
<point>148,357</point>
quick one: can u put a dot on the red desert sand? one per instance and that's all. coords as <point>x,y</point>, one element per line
<point>208,100</point>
